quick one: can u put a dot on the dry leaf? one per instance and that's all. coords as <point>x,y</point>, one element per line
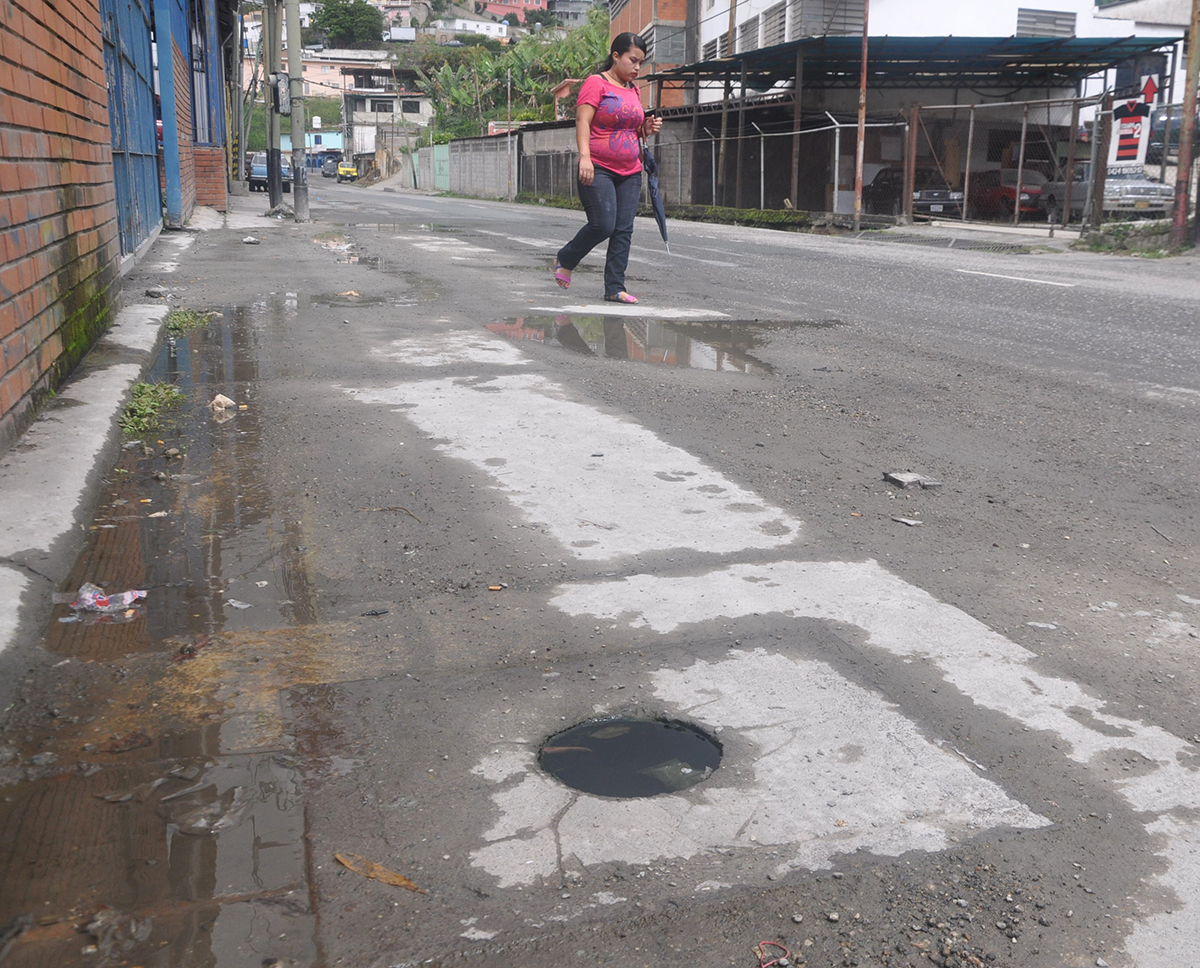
<point>377,872</point>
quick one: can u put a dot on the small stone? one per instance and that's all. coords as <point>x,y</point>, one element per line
<point>962,902</point>
<point>157,292</point>
<point>1002,925</point>
<point>1101,963</point>
<point>797,918</point>
<point>833,916</point>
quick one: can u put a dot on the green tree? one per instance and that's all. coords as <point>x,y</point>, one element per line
<point>349,23</point>
<point>543,17</point>
<point>469,86</point>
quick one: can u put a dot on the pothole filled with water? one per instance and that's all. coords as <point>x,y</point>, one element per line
<point>630,757</point>
<point>724,345</point>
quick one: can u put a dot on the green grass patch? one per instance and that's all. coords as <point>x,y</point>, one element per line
<point>180,321</point>
<point>146,409</point>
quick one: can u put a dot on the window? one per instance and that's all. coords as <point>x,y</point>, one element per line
<point>747,35</point>
<point>774,24</point>
<point>1045,23</point>
<point>818,18</point>
<point>381,107</point>
<point>709,51</point>
<point>317,139</point>
<point>410,107</point>
<point>670,44</point>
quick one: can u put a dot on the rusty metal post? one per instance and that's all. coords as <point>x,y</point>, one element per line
<point>862,120</point>
<point>967,169</point>
<point>1187,125</point>
<point>797,91</point>
<point>741,145</point>
<point>910,159</point>
<point>1070,176</point>
<point>1100,169</point>
<point>1020,167</point>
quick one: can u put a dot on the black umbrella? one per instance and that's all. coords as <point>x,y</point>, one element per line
<point>660,214</point>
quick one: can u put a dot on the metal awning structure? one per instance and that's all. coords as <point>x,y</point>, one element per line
<point>994,64</point>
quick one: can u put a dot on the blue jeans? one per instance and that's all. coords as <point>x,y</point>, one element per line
<point>611,202</point>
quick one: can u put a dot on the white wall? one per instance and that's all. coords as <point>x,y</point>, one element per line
<point>959,18</point>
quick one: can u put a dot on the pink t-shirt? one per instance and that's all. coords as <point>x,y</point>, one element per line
<point>614,131</point>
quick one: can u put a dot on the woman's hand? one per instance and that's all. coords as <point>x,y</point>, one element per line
<point>652,125</point>
<point>587,174</point>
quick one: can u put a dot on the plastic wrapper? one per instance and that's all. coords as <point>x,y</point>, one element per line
<point>92,598</point>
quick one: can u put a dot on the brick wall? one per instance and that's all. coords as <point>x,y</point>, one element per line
<point>58,215</point>
<point>183,114</point>
<point>210,176</point>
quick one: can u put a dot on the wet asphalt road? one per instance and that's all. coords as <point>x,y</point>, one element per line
<point>467,510</point>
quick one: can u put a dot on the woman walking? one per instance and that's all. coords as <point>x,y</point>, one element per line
<point>609,121</point>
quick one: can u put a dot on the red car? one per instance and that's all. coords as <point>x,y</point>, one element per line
<point>994,193</point>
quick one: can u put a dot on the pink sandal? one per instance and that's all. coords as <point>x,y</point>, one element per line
<point>621,297</point>
<point>562,276</point>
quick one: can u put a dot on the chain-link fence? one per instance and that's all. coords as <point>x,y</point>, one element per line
<point>1039,160</point>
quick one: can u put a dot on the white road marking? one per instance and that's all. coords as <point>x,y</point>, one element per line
<point>832,768</point>
<point>451,348</point>
<point>604,486</point>
<point>657,259</point>
<point>640,310</point>
<point>537,445</point>
<point>989,669</point>
<point>996,275</point>
<point>536,243</point>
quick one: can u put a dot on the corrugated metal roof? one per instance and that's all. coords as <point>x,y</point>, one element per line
<point>995,63</point>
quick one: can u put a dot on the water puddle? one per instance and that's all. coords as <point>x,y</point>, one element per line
<point>366,261</point>
<point>630,757</point>
<point>161,860</point>
<point>189,512</point>
<point>723,346</point>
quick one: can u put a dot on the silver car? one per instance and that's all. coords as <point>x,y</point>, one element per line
<point>1127,191</point>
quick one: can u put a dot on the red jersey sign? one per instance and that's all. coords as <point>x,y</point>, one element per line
<point>1131,126</point>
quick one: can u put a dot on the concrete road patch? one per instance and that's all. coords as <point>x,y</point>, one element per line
<point>447,790</point>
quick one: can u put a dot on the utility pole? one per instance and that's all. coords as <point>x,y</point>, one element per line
<point>272,39</point>
<point>296,89</point>
<point>730,50</point>
<point>862,121</point>
<point>1183,170</point>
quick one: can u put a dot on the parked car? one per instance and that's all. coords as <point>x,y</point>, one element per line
<point>994,193</point>
<point>1158,131</point>
<point>1125,192</point>
<point>347,170</point>
<point>329,168</point>
<point>931,194</point>
<point>258,172</point>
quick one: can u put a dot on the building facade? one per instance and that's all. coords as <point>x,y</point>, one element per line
<point>114,127</point>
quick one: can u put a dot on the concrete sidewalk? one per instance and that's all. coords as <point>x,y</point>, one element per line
<point>48,480</point>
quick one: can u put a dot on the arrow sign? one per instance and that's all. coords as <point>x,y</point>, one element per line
<point>1149,89</point>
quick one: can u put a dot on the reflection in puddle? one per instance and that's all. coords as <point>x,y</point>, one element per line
<point>369,261</point>
<point>722,346</point>
<point>158,860</point>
